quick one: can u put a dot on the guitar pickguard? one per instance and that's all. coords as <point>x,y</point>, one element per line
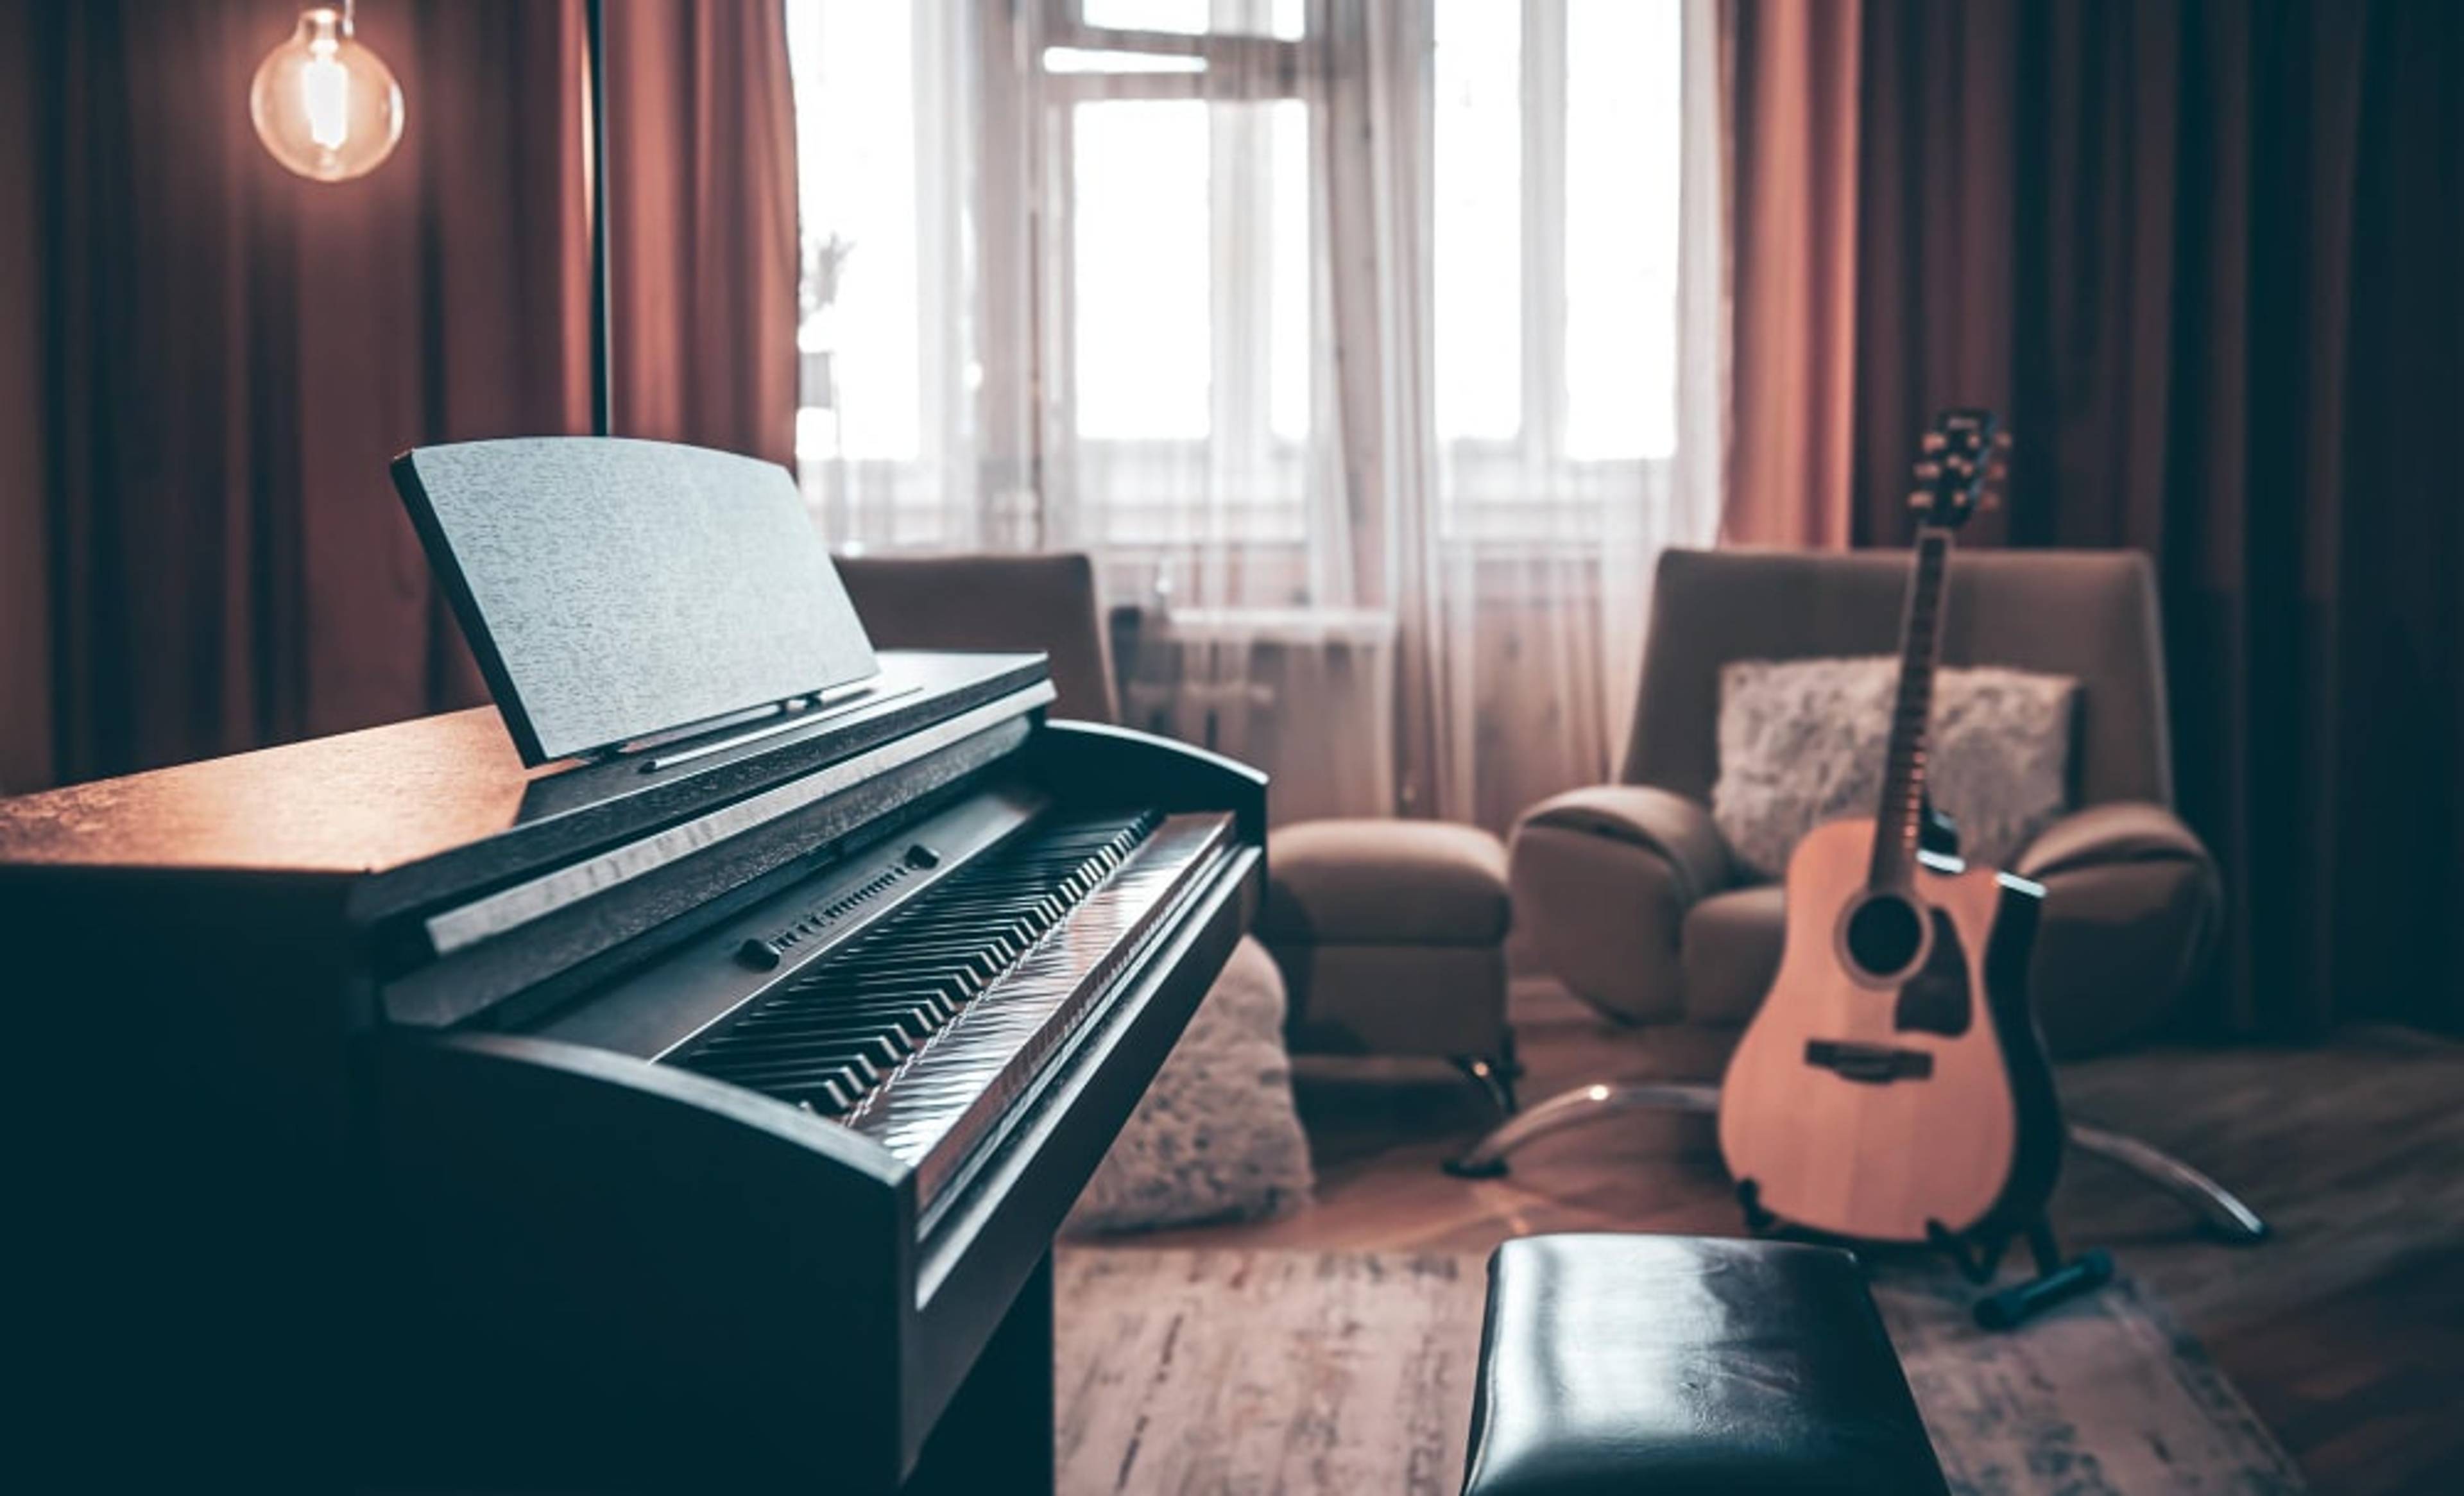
<point>1936,999</point>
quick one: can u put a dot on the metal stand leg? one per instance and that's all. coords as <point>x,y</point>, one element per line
<point>2217,1209</point>
<point>1486,1159</point>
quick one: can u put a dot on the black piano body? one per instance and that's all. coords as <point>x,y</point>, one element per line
<point>397,1117</point>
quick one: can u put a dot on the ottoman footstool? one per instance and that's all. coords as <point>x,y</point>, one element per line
<point>1391,939</point>
<point>1682,1366</point>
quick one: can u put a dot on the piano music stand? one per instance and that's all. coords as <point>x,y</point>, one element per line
<point>577,565</point>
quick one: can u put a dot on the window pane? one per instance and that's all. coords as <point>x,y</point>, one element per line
<point>1479,216</point>
<point>1621,178</point>
<point>859,318</point>
<point>1138,231</point>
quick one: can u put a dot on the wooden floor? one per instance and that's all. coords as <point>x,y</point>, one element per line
<point>2346,1331</point>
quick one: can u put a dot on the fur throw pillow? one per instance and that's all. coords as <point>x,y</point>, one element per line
<point>1215,1138</point>
<point>1802,741</point>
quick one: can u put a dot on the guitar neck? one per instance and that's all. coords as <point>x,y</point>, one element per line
<point>1901,819</point>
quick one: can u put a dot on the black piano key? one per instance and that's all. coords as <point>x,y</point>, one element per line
<point>938,968</point>
<point>905,1027</point>
<point>825,1088</point>
<point>852,1078</point>
<point>925,1006</point>
<point>830,1096</point>
<point>876,1053</point>
<point>942,986</point>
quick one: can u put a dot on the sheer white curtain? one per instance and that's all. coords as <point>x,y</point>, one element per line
<point>1346,334</point>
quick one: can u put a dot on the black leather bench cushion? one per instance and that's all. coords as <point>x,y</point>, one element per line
<point>1667,1366</point>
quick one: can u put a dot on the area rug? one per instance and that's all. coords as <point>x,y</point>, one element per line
<point>1204,1372</point>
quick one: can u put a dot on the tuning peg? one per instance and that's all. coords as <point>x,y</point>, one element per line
<point>1919,499</point>
<point>1988,500</point>
<point>1934,441</point>
<point>1999,472</point>
<point>1927,471</point>
<point>2001,441</point>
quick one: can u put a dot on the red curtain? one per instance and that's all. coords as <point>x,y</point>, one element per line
<point>2202,254</point>
<point>227,356</point>
<point>1791,67</point>
<point>702,207</point>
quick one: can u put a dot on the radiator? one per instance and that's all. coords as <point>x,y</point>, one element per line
<point>1306,694</point>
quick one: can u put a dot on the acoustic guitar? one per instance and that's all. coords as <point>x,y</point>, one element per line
<point>1893,1087</point>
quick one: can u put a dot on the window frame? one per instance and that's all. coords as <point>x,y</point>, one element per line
<point>1523,490</point>
<point>1237,68</point>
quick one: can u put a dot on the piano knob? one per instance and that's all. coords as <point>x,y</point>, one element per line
<point>759,955</point>
<point>920,857</point>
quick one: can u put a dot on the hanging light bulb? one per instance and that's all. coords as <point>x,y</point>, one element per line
<point>325,106</point>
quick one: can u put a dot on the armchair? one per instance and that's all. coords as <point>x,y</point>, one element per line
<point>1628,893</point>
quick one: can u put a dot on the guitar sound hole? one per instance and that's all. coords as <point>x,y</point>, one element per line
<point>1885,935</point>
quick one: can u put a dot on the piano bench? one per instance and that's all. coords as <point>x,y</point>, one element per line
<point>1675,1366</point>
<point>1392,938</point>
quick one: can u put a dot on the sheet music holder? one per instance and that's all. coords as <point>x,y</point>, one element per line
<point>617,591</point>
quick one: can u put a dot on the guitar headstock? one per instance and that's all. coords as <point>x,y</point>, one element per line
<point>1957,465</point>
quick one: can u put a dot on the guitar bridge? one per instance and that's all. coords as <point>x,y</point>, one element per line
<point>1868,1064</point>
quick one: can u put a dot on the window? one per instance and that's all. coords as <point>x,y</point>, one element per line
<point>1164,385</point>
<point>883,432</point>
<point>1179,194</point>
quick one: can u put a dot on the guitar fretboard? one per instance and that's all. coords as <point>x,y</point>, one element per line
<point>1904,775</point>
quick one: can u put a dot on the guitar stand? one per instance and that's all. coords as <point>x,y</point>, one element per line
<point>1977,1260</point>
<point>2008,1309</point>
<point>2216,1208</point>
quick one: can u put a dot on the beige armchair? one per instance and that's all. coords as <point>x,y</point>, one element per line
<point>1627,893</point>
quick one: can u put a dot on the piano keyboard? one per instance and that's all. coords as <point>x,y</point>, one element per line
<point>928,1027</point>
